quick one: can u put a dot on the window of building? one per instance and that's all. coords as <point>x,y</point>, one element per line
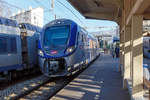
<point>34,17</point>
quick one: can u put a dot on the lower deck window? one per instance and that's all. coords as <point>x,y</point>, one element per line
<point>13,46</point>
<point>3,45</point>
<point>8,44</point>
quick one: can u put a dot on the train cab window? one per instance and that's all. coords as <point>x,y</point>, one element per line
<point>3,45</point>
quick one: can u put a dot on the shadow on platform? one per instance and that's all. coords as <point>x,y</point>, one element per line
<point>101,81</point>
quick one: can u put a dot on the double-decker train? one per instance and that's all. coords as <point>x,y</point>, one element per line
<point>18,47</point>
<point>146,47</point>
<point>64,47</point>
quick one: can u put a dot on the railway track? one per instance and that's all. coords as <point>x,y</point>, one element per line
<point>15,91</point>
<point>47,90</point>
<point>39,88</point>
<point>7,83</point>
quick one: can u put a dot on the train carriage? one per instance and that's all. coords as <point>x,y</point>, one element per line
<point>18,47</point>
<point>29,36</point>
<point>10,52</point>
<point>64,48</point>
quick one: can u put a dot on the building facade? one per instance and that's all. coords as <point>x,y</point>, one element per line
<point>33,16</point>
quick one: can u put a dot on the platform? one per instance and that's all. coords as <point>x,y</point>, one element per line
<point>100,81</point>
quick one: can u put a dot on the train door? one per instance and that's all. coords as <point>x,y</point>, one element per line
<point>24,45</point>
<point>81,47</point>
<point>85,48</point>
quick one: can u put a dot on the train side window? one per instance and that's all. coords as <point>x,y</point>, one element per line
<point>10,23</point>
<point>82,38</point>
<point>13,45</point>
<point>79,37</point>
<point>3,45</point>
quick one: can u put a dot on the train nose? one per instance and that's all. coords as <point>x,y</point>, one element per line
<point>54,66</point>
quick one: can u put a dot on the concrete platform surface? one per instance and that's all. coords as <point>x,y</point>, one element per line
<point>101,81</point>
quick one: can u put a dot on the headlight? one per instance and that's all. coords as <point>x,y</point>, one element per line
<point>70,49</point>
<point>40,53</point>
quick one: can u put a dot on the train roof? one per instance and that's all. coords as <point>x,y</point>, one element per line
<point>8,22</point>
<point>30,27</point>
<point>60,22</point>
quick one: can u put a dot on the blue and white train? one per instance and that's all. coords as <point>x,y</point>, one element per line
<point>18,49</point>
<point>146,47</point>
<point>64,47</point>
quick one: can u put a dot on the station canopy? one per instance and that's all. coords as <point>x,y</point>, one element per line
<point>98,9</point>
<point>112,10</point>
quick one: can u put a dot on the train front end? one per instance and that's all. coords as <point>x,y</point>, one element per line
<point>57,43</point>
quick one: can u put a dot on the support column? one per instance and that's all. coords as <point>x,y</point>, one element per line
<point>127,55</point>
<point>137,56</point>
<point>121,52</point>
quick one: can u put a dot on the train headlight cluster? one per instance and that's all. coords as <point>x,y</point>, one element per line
<point>40,53</point>
<point>70,49</point>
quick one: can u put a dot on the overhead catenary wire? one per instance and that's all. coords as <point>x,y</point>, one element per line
<point>39,3</point>
<point>14,6</point>
<point>70,11</point>
<point>48,10</point>
<point>52,5</point>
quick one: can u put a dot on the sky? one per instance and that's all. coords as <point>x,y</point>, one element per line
<point>62,9</point>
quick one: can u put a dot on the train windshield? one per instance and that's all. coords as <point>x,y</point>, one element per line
<point>57,35</point>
